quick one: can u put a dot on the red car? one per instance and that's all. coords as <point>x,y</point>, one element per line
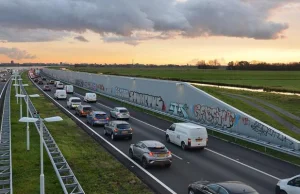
<point>47,88</point>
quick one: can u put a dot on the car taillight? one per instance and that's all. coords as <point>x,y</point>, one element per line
<point>107,118</point>
<point>189,141</point>
<point>95,119</point>
<point>169,153</point>
<point>206,139</point>
<point>150,153</point>
<point>131,129</point>
<point>115,130</point>
<point>81,111</point>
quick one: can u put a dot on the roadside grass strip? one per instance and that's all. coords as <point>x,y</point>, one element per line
<point>96,170</point>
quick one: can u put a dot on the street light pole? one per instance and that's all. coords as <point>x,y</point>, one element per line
<point>42,177</point>
<point>27,126</point>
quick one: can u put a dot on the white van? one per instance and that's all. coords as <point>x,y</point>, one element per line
<point>69,89</point>
<point>56,82</point>
<point>60,94</point>
<point>90,97</point>
<point>73,102</point>
<point>187,135</point>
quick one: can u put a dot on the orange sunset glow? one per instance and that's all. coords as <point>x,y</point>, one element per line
<point>182,45</point>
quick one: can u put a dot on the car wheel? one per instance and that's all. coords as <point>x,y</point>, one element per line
<point>105,133</point>
<point>112,137</point>
<point>183,146</point>
<point>168,139</point>
<point>191,191</point>
<point>144,163</point>
<point>168,165</point>
<point>282,192</point>
<point>130,154</point>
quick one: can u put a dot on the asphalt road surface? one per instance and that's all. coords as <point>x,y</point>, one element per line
<point>221,161</point>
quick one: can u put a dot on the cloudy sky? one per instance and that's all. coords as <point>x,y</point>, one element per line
<point>149,31</point>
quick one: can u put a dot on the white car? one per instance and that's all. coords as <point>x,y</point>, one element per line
<point>69,89</point>
<point>90,97</point>
<point>60,86</point>
<point>60,94</point>
<point>120,113</point>
<point>73,102</point>
<point>289,185</point>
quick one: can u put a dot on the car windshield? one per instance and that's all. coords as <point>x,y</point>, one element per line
<point>158,149</point>
<point>123,111</point>
<point>123,126</point>
<point>100,116</point>
<point>76,100</point>
<point>87,108</point>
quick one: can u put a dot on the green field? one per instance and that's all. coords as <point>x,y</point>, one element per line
<point>275,80</point>
<point>96,170</point>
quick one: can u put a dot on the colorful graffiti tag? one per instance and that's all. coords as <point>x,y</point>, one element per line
<point>263,130</point>
<point>90,85</point>
<point>180,110</point>
<point>148,100</point>
<point>214,116</point>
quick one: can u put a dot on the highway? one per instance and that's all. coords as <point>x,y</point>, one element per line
<point>221,161</point>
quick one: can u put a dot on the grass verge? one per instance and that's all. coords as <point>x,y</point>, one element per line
<point>96,170</point>
<point>252,146</point>
<point>26,164</point>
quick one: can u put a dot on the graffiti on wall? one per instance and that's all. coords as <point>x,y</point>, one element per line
<point>178,109</point>
<point>148,100</point>
<point>90,85</point>
<point>214,116</point>
<point>263,130</point>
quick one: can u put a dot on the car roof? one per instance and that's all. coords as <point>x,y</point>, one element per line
<point>119,122</point>
<point>74,98</point>
<point>85,105</point>
<point>119,108</point>
<point>89,93</point>
<point>153,143</point>
<point>189,125</point>
<point>236,187</point>
<point>99,112</point>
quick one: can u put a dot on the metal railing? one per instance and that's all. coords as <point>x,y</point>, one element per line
<point>235,135</point>
<point>5,145</point>
<point>65,175</point>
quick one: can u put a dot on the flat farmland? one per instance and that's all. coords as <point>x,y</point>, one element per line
<point>272,80</point>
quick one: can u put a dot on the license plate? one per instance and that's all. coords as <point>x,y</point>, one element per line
<point>198,140</point>
<point>124,132</point>
<point>161,155</point>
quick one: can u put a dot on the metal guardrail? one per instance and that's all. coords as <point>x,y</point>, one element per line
<point>264,144</point>
<point>5,145</point>
<point>65,175</point>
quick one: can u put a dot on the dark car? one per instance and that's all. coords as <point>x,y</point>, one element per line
<point>36,80</point>
<point>227,187</point>
<point>3,80</point>
<point>44,79</point>
<point>47,88</point>
<point>118,129</point>
<point>97,118</point>
<point>83,110</point>
<point>40,82</point>
<point>51,82</point>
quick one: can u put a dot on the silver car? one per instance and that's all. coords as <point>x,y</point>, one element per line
<point>118,129</point>
<point>120,113</point>
<point>151,152</point>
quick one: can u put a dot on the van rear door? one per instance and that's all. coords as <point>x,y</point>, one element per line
<point>198,137</point>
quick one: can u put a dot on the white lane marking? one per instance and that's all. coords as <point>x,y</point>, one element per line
<point>177,156</point>
<point>255,169</point>
<point>132,118</point>
<point>123,154</point>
